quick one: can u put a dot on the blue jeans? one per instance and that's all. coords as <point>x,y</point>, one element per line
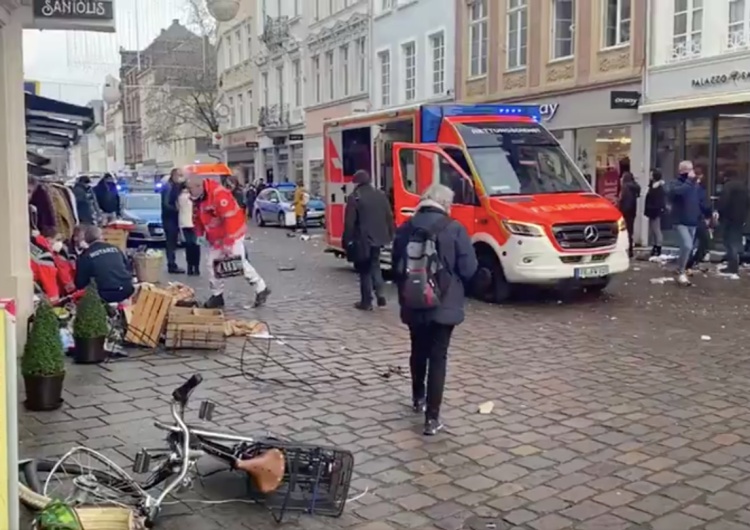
<point>687,237</point>
<point>733,244</point>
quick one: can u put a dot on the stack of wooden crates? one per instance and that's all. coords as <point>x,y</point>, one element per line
<point>155,311</point>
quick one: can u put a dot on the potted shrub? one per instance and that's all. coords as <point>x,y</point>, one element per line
<point>90,328</point>
<point>43,361</point>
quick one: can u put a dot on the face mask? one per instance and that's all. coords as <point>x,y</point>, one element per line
<point>57,246</point>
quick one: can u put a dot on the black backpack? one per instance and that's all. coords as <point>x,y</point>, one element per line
<point>424,277</point>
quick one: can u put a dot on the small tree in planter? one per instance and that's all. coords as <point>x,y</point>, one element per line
<point>43,362</point>
<point>90,328</point>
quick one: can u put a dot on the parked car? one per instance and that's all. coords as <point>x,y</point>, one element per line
<point>144,211</point>
<point>276,205</point>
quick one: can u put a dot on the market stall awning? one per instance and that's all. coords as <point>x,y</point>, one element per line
<point>53,123</point>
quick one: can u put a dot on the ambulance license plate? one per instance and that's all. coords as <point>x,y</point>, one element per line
<point>582,273</point>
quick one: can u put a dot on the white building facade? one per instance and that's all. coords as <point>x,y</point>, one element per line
<point>413,51</point>
<point>337,52</point>
<point>696,90</point>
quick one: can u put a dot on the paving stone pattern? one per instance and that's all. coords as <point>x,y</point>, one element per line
<point>610,413</point>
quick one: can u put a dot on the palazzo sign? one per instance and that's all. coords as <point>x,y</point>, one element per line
<point>721,79</point>
<point>87,15</point>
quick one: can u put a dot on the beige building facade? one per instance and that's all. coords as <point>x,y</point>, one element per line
<point>580,60</point>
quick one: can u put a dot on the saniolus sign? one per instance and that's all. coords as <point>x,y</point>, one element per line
<point>74,9</point>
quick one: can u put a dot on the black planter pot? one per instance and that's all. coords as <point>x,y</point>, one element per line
<point>43,393</point>
<point>89,351</point>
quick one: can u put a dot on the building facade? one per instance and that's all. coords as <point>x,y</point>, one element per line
<point>579,59</point>
<point>237,45</point>
<point>337,66</point>
<point>412,52</point>
<point>697,88</point>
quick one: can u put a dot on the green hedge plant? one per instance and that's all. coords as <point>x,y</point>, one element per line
<point>91,317</point>
<point>43,354</point>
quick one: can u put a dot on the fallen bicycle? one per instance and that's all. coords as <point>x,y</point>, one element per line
<point>282,476</point>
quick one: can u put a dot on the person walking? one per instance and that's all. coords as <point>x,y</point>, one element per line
<point>250,194</point>
<point>86,204</point>
<point>655,208</point>
<point>685,199</point>
<point>301,200</point>
<point>630,191</point>
<point>187,228</point>
<point>221,222</point>
<point>733,209</point>
<point>170,217</point>
<point>368,227</point>
<point>702,243</point>
<point>431,242</point>
<point>108,198</point>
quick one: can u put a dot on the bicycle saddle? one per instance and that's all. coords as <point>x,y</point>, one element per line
<point>266,470</point>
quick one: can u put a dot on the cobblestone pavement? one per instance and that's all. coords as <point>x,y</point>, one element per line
<point>622,412</point>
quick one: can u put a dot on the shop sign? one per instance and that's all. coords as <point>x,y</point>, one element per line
<point>548,110</point>
<point>721,79</point>
<point>251,145</point>
<point>296,137</point>
<point>74,9</point>
<point>624,99</point>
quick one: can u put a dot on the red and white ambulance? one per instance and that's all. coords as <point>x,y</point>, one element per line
<point>532,216</point>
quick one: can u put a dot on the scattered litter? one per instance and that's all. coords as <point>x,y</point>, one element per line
<point>304,237</point>
<point>662,280</point>
<point>285,268</point>
<point>392,370</point>
<point>291,234</point>
<point>486,407</point>
<point>706,337</point>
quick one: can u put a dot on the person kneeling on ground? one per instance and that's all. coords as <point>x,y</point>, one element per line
<point>106,265</point>
<point>434,265</point>
<point>221,222</point>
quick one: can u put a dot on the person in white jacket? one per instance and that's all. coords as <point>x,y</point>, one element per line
<point>185,219</point>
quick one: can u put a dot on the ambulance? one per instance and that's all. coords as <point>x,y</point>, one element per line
<point>532,216</point>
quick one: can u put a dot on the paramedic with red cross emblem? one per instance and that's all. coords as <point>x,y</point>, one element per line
<point>221,223</point>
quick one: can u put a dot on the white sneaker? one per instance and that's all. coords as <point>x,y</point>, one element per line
<point>683,280</point>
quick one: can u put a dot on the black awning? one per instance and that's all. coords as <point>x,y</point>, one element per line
<point>54,123</point>
<point>37,160</point>
<point>38,171</point>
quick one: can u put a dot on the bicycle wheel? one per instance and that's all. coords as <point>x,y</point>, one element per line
<point>84,477</point>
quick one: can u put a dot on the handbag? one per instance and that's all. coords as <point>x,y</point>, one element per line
<point>228,267</point>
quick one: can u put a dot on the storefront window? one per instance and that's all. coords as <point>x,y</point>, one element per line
<point>733,149</point>
<point>667,147</point>
<point>697,147</point>
<point>603,154</point>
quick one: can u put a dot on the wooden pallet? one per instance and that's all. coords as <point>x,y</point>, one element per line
<point>195,328</point>
<point>149,316</point>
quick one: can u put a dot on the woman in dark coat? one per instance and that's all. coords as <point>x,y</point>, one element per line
<point>628,204</point>
<point>656,207</point>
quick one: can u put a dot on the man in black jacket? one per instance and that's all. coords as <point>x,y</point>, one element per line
<point>368,227</point>
<point>106,265</point>
<point>170,213</point>
<point>108,198</point>
<point>86,205</point>
<point>733,207</point>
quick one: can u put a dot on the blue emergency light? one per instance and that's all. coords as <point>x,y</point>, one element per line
<point>432,115</point>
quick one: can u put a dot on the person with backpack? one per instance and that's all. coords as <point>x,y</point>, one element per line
<point>434,264</point>
<point>368,227</point>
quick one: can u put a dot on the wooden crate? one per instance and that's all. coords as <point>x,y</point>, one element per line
<point>116,237</point>
<point>148,316</point>
<point>195,328</point>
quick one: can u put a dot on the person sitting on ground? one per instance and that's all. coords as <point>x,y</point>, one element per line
<point>106,265</point>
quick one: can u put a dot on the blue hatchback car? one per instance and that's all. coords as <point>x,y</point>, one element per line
<point>276,205</point>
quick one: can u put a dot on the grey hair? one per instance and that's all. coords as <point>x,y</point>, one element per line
<point>91,233</point>
<point>438,195</point>
<point>685,166</point>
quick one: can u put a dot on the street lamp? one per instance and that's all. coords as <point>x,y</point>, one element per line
<point>111,91</point>
<point>223,10</point>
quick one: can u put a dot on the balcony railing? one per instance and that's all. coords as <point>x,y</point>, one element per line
<point>274,118</point>
<point>685,49</point>
<point>275,32</point>
<point>738,39</point>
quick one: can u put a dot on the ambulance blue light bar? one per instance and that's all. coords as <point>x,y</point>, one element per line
<point>432,115</point>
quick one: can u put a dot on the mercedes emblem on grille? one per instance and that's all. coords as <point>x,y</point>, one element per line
<point>591,234</point>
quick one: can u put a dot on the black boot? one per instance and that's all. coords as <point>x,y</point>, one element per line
<point>657,250</point>
<point>215,302</point>
<point>261,297</point>
<point>653,251</point>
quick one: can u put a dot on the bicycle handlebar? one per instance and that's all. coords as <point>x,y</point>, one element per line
<point>182,393</point>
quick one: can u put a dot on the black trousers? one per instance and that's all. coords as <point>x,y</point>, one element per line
<point>192,249</point>
<point>370,277</point>
<point>171,236</point>
<point>630,227</point>
<point>429,359</point>
<point>115,296</point>
<point>701,246</point>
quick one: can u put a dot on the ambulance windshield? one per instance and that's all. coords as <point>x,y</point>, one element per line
<point>520,159</point>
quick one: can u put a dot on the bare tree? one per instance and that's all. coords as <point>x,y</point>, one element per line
<point>182,99</point>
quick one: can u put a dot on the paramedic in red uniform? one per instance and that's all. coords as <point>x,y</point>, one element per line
<point>221,222</point>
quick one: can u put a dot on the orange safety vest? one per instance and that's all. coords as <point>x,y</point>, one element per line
<point>218,217</point>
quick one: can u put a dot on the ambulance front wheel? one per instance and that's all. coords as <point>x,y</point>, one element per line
<point>490,282</point>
